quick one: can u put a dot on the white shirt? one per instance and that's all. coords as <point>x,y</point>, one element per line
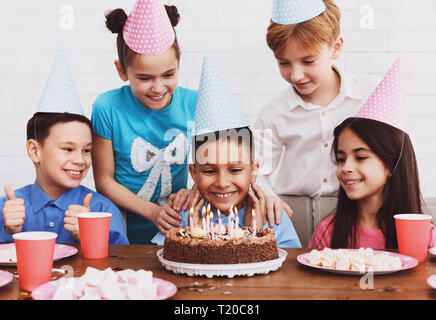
<point>302,133</point>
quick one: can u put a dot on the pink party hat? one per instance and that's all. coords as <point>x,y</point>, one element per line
<point>386,103</point>
<point>148,30</point>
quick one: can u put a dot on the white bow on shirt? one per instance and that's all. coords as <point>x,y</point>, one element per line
<point>144,155</point>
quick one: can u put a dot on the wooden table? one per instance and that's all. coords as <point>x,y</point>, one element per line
<point>292,281</point>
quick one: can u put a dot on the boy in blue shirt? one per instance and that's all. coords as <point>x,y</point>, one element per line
<point>224,168</point>
<point>59,144</point>
<point>228,184</point>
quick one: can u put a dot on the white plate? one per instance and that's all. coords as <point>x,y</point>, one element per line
<point>406,263</point>
<point>5,278</point>
<point>61,251</point>
<point>432,252</point>
<point>431,281</point>
<point>46,291</point>
<point>228,270</point>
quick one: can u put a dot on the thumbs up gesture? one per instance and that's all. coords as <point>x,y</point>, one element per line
<point>14,212</point>
<point>71,222</point>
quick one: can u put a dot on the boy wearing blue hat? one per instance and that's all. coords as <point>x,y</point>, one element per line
<point>305,39</point>
<point>224,168</point>
<point>59,144</point>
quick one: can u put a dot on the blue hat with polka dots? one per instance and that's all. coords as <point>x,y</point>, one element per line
<point>216,108</point>
<point>60,94</point>
<point>296,11</point>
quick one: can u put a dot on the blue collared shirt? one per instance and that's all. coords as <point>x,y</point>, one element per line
<point>44,214</point>
<point>286,235</point>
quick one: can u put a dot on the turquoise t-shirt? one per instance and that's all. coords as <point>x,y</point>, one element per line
<point>150,147</point>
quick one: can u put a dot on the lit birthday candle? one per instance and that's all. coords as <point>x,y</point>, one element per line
<point>191,221</point>
<point>219,221</point>
<point>212,233</point>
<point>236,218</point>
<point>203,219</point>
<point>208,211</point>
<point>230,224</point>
<point>254,226</point>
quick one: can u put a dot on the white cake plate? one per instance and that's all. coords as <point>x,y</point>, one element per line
<point>228,270</point>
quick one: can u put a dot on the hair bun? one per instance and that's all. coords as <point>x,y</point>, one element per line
<point>173,14</point>
<point>115,20</point>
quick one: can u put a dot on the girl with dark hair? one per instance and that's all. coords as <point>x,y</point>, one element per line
<point>141,130</point>
<point>378,177</point>
<point>377,173</point>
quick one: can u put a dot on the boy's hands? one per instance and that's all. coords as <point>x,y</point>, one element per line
<point>71,222</point>
<point>257,202</point>
<point>182,200</point>
<point>276,205</point>
<point>266,207</point>
<point>196,203</point>
<point>269,207</point>
<point>164,217</point>
<point>188,199</point>
<point>14,212</point>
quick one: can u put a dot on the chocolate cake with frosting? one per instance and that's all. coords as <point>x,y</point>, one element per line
<point>188,245</point>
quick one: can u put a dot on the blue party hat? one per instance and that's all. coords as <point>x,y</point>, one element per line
<point>60,94</point>
<point>216,108</point>
<point>296,11</point>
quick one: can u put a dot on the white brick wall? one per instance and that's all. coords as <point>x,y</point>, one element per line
<point>232,33</point>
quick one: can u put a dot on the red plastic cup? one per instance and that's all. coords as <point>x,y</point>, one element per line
<point>34,258</point>
<point>413,232</point>
<point>94,234</point>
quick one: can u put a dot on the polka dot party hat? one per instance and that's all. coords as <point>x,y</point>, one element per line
<point>216,108</point>
<point>296,11</point>
<point>386,103</point>
<point>60,94</point>
<point>148,30</point>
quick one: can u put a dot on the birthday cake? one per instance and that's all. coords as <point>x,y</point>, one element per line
<point>192,245</point>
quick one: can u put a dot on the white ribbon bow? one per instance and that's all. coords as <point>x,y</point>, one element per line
<point>144,156</point>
